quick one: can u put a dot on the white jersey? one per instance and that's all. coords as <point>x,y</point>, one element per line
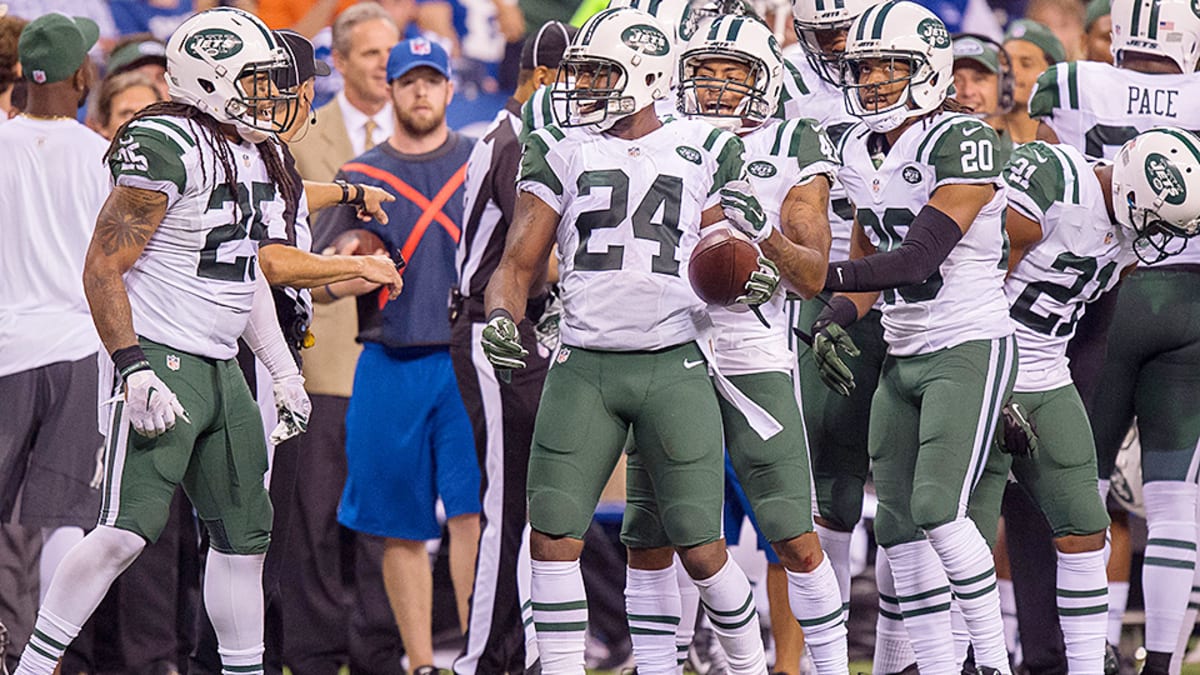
<point>192,287</point>
<point>1080,256</point>
<point>630,216</point>
<point>778,156</point>
<point>1096,108</point>
<point>52,185</point>
<point>964,300</point>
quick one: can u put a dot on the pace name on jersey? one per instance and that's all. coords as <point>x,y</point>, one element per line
<point>193,287</point>
<point>630,216</point>
<point>1080,256</point>
<point>963,300</point>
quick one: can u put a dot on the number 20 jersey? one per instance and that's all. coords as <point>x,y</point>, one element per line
<point>1097,107</point>
<point>964,300</point>
<point>629,218</point>
<point>1081,255</point>
<point>192,287</point>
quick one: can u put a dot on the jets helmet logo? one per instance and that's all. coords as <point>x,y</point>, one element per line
<point>1165,178</point>
<point>761,169</point>
<point>216,43</point>
<point>646,39</point>
<point>934,32</point>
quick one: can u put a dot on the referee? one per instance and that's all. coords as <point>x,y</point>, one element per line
<point>501,413</point>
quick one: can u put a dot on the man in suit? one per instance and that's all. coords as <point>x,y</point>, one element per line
<point>358,118</point>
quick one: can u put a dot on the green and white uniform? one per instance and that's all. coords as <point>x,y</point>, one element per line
<point>190,294</point>
<point>630,215</point>
<point>1080,256</point>
<point>951,357</point>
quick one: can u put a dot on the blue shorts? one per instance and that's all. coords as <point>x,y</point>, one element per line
<point>408,441</point>
<point>737,509</point>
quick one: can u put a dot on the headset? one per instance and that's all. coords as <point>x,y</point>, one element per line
<point>1005,102</point>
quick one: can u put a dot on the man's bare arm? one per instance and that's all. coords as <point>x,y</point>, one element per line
<point>801,248</point>
<point>530,239</point>
<point>289,266</point>
<point>128,219</point>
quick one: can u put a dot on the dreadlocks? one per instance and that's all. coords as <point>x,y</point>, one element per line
<point>955,106</point>
<point>214,135</point>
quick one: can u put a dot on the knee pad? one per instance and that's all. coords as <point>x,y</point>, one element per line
<point>933,507</point>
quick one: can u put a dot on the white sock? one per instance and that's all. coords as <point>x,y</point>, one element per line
<point>1118,596</point>
<point>923,594</point>
<point>233,596</point>
<point>1082,592</point>
<point>689,605</point>
<point>560,615</point>
<point>893,653</point>
<point>524,582</point>
<point>1170,560</point>
<point>652,608</point>
<point>962,636</point>
<point>728,601</point>
<point>79,584</point>
<point>56,543</point>
<point>816,603</point>
<point>1008,611</point>
<point>837,550</point>
<point>968,564</point>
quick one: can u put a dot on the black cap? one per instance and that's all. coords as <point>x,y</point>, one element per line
<point>307,64</point>
<point>547,45</point>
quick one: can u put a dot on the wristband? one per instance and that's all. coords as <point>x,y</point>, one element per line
<point>360,195</point>
<point>500,312</point>
<point>840,310</point>
<point>332,295</point>
<point>130,360</point>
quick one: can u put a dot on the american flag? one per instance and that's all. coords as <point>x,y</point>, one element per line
<point>1166,25</point>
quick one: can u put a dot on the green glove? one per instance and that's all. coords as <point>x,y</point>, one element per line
<point>742,208</point>
<point>1017,434</point>
<point>502,343</point>
<point>833,370</point>
<point>762,283</point>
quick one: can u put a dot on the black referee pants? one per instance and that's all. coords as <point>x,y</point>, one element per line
<point>502,416</point>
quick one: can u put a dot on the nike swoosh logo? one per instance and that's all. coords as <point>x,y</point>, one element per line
<point>841,280</point>
<point>149,395</point>
<point>968,132</point>
<point>692,364</point>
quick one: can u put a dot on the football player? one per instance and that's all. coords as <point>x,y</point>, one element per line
<point>624,195</point>
<point>1156,48</point>
<point>928,233</point>
<point>1065,253</point>
<point>200,192</point>
<point>730,75</point>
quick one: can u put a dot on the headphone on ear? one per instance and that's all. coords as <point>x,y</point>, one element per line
<point>1005,102</point>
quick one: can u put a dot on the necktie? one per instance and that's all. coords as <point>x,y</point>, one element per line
<point>370,137</point>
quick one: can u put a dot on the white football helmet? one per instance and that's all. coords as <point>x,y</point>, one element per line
<point>815,18</point>
<point>673,15</point>
<point>619,62</point>
<point>891,33</point>
<point>1156,191</point>
<point>728,104</point>
<point>210,56</point>
<point>1169,28</point>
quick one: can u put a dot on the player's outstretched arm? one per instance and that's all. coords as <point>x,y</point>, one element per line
<point>369,201</point>
<point>530,239</point>
<point>801,250</point>
<point>285,265</point>
<point>128,219</point>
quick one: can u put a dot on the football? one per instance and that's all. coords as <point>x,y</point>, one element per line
<point>721,265</point>
<point>358,242</point>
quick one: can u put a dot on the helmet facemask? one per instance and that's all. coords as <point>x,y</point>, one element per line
<point>817,41</point>
<point>725,102</point>
<point>592,92</point>
<point>268,99</point>
<point>883,104</point>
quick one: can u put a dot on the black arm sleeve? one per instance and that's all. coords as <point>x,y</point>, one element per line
<point>931,237</point>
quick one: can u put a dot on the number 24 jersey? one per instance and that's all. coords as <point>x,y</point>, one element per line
<point>629,218</point>
<point>963,300</point>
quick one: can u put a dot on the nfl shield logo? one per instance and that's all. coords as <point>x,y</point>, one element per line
<point>563,355</point>
<point>419,47</point>
<point>172,362</point>
<point>39,76</point>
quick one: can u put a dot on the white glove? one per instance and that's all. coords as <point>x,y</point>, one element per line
<point>293,407</point>
<point>151,405</point>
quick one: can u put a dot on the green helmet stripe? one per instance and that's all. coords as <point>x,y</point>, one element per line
<point>877,30</point>
<point>653,8</point>
<point>1152,29</point>
<point>735,27</point>
<point>820,5</point>
<point>1136,19</point>
<point>1183,139</point>
<point>862,24</point>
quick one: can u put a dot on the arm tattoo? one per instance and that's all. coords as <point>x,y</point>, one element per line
<point>128,219</point>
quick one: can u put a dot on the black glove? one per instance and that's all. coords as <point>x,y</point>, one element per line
<point>1016,434</point>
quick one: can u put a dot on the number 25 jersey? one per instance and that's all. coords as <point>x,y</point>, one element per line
<point>963,300</point>
<point>629,218</point>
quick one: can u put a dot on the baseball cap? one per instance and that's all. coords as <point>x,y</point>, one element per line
<point>53,46</point>
<point>547,46</point>
<point>307,65</point>
<point>974,49</point>
<point>1034,32</point>
<point>1095,10</point>
<point>137,54</point>
<point>415,53</point>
